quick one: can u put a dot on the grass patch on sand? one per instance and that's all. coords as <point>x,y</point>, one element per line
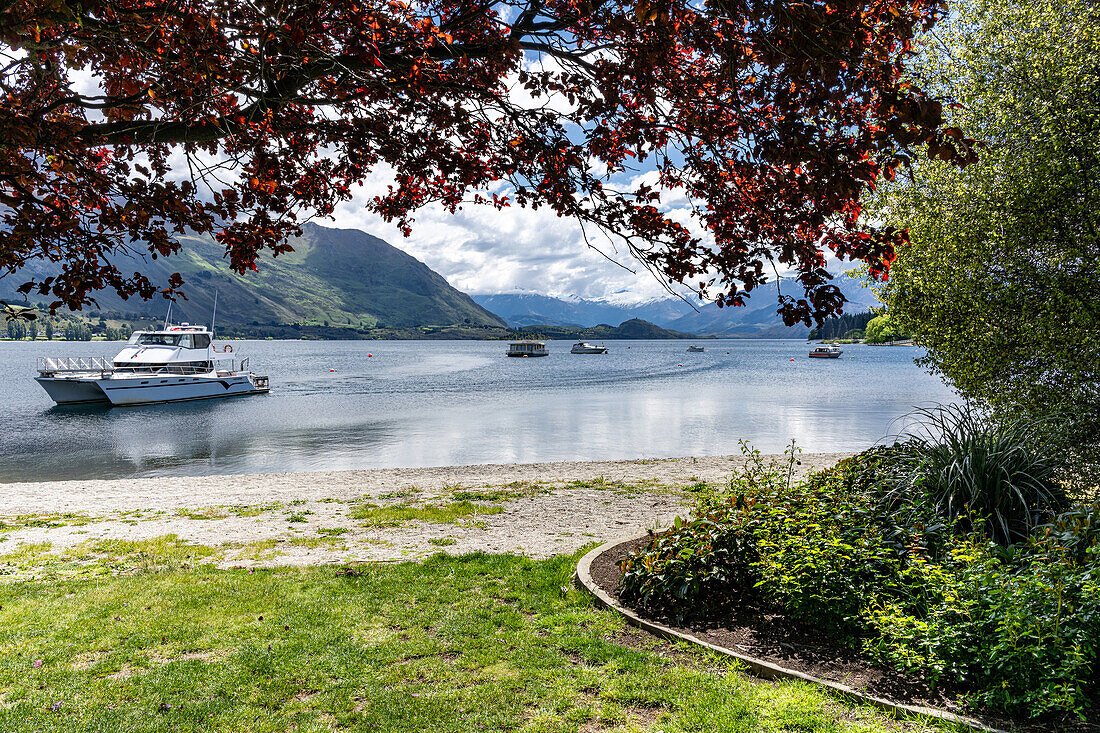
<point>478,642</point>
<point>258,551</point>
<point>16,522</point>
<point>373,515</point>
<point>504,492</point>
<point>204,513</point>
<point>629,488</point>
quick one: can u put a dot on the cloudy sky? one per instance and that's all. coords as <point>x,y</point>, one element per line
<point>482,250</point>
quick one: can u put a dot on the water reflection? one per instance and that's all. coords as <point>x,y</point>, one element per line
<point>440,403</point>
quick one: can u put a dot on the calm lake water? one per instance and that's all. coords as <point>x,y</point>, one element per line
<point>428,403</point>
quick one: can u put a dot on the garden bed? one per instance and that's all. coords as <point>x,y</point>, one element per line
<point>770,637</point>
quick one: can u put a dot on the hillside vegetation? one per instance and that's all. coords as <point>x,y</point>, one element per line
<point>334,279</point>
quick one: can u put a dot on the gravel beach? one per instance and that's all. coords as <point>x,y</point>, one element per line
<point>537,509</point>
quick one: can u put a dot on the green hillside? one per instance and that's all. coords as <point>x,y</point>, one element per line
<point>635,328</point>
<point>338,278</point>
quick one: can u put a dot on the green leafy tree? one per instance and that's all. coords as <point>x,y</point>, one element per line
<point>17,329</point>
<point>1000,280</point>
<point>882,329</point>
<point>49,331</point>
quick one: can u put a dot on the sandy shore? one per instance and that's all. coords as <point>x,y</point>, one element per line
<point>538,509</point>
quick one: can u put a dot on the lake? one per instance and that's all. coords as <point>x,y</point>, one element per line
<point>372,404</point>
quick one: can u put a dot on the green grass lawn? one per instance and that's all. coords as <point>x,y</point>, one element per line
<point>481,642</point>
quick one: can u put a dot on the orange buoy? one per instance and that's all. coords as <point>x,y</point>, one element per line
<point>332,370</point>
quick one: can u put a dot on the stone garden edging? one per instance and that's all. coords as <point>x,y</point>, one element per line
<point>757,667</point>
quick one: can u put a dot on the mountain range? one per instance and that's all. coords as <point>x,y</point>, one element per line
<point>757,319</point>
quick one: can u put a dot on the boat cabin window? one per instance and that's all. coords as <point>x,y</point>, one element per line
<point>202,341</point>
<point>158,339</point>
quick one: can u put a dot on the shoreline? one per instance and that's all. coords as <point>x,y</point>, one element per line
<point>171,492</point>
<point>337,517</point>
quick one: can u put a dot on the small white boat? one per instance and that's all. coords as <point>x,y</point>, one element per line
<point>527,348</point>
<point>696,349</point>
<point>176,364</point>
<point>831,351</point>
<point>583,347</point>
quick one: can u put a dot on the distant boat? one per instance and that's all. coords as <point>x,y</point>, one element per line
<point>696,348</point>
<point>527,348</point>
<point>583,347</point>
<point>825,352</point>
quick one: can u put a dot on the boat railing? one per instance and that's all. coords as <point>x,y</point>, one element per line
<point>56,364</point>
<point>50,365</point>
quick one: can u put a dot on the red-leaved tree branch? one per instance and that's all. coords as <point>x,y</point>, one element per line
<point>127,123</point>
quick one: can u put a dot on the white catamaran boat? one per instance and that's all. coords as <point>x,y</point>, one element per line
<point>174,364</point>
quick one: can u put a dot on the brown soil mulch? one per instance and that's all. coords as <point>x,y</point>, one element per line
<point>770,637</point>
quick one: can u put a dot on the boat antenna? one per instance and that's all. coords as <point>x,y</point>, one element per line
<point>167,316</point>
<point>214,315</point>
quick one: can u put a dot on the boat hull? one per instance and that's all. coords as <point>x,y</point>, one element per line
<point>525,356</point>
<point>587,351</point>
<point>153,390</point>
<point>825,356</point>
<point>73,391</point>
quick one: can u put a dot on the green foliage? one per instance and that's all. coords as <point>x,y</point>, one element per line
<point>1022,630</point>
<point>766,536</point>
<point>1000,280</point>
<point>118,334</point>
<point>76,331</point>
<point>882,329</point>
<point>891,551</point>
<point>17,329</point>
<point>965,463</point>
<point>697,569</point>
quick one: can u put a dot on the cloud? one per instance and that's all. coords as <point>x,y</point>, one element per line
<point>482,250</point>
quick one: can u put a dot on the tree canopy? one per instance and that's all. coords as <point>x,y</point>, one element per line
<point>1001,277</point>
<point>124,123</point>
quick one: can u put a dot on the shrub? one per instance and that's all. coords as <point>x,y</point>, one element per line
<point>700,568</point>
<point>926,579</point>
<point>807,548</point>
<point>696,569</point>
<point>1020,629</point>
<point>963,463</point>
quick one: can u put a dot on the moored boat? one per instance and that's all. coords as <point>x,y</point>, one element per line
<point>527,348</point>
<point>175,364</point>
<point>830,351</point>
<point>583,347</point>
<point>696,349</point>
